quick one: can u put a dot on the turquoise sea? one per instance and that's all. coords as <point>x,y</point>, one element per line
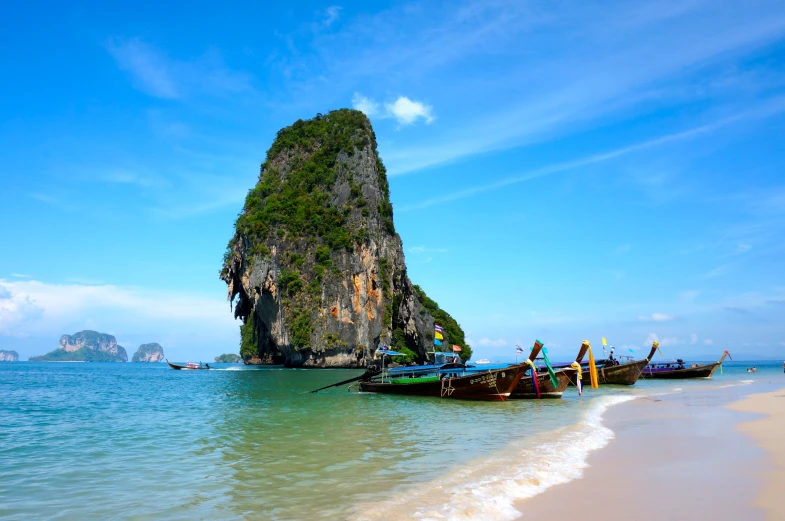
<point>141,441</point>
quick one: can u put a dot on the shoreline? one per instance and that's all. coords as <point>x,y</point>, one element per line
<point>692,454</point>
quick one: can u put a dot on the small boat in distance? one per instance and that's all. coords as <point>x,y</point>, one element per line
<point>189,366</point>
<point>678,370</point>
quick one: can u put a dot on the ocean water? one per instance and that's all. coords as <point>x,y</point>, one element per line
<point>141,441</point>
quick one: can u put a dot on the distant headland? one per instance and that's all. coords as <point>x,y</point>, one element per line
<point>85,346</point>
<point>8,356</point>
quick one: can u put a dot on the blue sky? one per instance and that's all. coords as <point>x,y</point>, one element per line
<point>558,170</point>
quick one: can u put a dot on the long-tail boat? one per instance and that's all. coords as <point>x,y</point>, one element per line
<point>189,366</point>
<point>677,370</point>
<point>545,388</point>
<point>446,381</point>
<point>610,371</point>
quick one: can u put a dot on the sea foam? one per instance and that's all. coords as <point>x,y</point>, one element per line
<point>488,487</point>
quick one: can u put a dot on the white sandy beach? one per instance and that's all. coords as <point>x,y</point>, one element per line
<point>683,456</point>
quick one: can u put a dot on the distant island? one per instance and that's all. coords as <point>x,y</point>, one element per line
<point>149,353</point>
<point>229,358</point>
<point>8,356</point>
<point>85,346</point>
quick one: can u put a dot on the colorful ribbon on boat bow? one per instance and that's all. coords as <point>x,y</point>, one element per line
<point>578,376</point>
<point>551,373</point>
<point>593,377</point>
<point>534,376</point>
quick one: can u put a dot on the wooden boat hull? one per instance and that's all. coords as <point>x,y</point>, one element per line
<point>622,374</point>
<point>525,387</point>
<point>702,371</point>
<point>495,385</point>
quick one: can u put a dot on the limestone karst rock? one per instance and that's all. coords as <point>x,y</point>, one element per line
<point>149,353</point>
<point>315,269</point>
<point>86,346</point>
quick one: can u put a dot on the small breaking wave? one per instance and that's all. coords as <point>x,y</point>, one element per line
<point>487,488</point>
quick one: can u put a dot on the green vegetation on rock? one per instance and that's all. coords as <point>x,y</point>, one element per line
<point>228,358</point>
<point>296,203</point>
<point>84,354</point>
<point>452,330</point>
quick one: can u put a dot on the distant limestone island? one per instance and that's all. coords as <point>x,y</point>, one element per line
<point>149,353</point>
<point>8,356</point>
<point>92,346</point>
<point>85,346</point>
<point>229,358</point>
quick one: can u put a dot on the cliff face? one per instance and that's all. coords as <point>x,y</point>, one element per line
<point>149,353</point>
<point>8,356</point>
<point>89,346</point>
<point>315,269</point>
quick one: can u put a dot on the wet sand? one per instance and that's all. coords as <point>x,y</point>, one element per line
<point>769,434</point>
<point>674,457</point>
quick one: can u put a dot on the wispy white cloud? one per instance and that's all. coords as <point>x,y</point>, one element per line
<point>21,275</point>
<point>592,159</point>
<point>485,342</point>
<point>624,248</point>
<point>38,308</point>
<point>404,110</point>
<point>716,272</point>
<point>664,342</point>
<point>425,249</point>
<point>331,15</point>
<point>656,317</point>
<point>365,105</point>
<point>151,72</point>
<point>689,295</point>
<point>569,90</point>
<point>708,342</point>
<point>156,74</point>
<point>693,338</point>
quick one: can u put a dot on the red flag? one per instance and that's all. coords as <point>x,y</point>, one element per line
<point>456,348</point>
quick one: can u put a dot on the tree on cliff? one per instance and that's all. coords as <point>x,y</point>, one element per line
<point>315,268</point>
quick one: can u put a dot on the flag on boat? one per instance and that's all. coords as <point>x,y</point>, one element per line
<point>438,335</point>
<point>630,350</point>
<point>456,348</point>
<point>604,342</point>
<point>518,350</point>
<point>437,343</point>
<point>438,328</point>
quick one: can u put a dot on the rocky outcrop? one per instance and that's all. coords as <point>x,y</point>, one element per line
<point>315,269</point>
<point>8,356</point>
<point>228,358</point>
<point>149,353</point>
<point>86,346</point>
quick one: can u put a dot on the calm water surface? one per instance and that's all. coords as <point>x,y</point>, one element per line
<point>141,441</point>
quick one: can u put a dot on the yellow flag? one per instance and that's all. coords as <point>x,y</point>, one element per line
<point>604,342</point>
<point>438,336</point>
